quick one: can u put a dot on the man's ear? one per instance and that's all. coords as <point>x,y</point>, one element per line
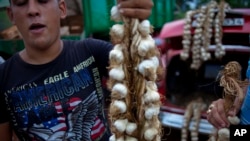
<point>10,15</point>
<point>63,8</point>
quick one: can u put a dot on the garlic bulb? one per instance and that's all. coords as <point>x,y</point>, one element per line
<point>112,138</point>
<point>118,106</point>
<point>151,111</point>
<point>146,45</point>
<point>155,60</point>
<point>128,138</point>
<point>150,134</point>
<point>115,14</point>
<point>149,67</point>
<point>151,96</point>
<point>116,56</point>
<point>131,127</point>
<point>119,91</point>
<point>121,125</point>
<point>224,134</point>
<point>151,85</point>
<point>233,120</point>
<point>117,31</point>
<point>152,63</point>
<point>145,28</point>
<point>117,73</point>
<point>121,139</point>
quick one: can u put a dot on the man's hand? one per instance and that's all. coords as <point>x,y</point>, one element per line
<point>140,9</point>
<point>216,113</point>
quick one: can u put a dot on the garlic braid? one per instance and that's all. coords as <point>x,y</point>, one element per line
<point>192,113</point>
<point>219,20</point>
<point>198,44</point>
<point>134,65</point>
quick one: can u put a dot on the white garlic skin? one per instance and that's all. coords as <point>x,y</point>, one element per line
<point>116,55</point>
<point>151,96</point>
<point>151,111</point>
<point>150,134</point>
<point>149,66</point>
<point>121,105</point>
<point>145,45</point>
<point>117,73</point>
<point>120,139</point>
<point>151,85</point>
<point>155,60</point>
<point>224,134</point>
<point>131,127</point>
<point>121,125</point>
<point>121,89</point>
<point>112,138</point>
<point>234,120</point>
<point>184,55</point>
<point>117,31</point>
<point>115,14</point>
<point>145,27</point>
<point>128,138</point>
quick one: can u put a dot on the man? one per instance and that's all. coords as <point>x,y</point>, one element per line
<point>51,90</point>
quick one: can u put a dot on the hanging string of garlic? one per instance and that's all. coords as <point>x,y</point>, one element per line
<point>192,113</point>
<point>219,20</point>
<point>186,121</point>
<point>197,39</point>
<point>134,65</point>
<point>198,44</point>
<point>199,107</point>
<point>186,42</point>
<point>207,32</point>
<point>232,87</point>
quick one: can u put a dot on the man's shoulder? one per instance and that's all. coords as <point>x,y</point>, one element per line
<point>8,62</point>
<point>5,63</point>
<point>4,68</point>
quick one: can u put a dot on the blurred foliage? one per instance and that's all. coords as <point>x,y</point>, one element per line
<point>4,3</point>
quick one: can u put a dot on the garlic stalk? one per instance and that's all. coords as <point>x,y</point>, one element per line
<point>134,67</point>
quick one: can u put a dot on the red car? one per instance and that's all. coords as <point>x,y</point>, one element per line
<point>183,84</point>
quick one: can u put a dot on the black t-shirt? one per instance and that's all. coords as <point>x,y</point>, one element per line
<point>60,100</point>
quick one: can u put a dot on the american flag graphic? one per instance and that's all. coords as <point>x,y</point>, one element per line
<point>73,102</point>
<point>58,124</point>
<point>67,120</point>
<point>98,129</point>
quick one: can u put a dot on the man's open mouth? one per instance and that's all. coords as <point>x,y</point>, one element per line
<point>36,26</point>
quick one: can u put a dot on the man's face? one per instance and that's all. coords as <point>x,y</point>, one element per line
<point>38,20</point>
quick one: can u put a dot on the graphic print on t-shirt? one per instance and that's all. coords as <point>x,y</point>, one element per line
<point>66,107</point>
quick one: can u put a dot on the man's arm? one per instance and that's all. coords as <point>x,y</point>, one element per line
<point>5,132</point>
